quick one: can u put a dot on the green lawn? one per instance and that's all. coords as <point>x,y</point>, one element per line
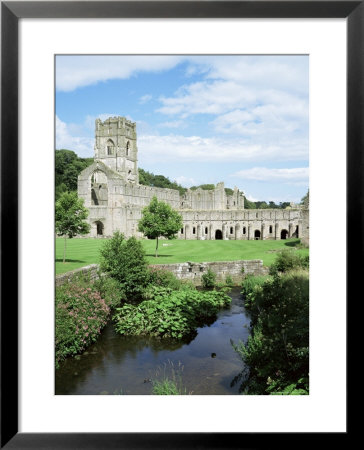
<point>81,252</point>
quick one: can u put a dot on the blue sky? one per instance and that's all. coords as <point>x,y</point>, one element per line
<point>200,119</point>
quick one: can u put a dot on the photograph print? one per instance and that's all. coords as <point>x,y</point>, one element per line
<point>182,225</point>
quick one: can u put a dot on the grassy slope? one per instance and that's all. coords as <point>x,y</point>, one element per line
<point>81,252</point>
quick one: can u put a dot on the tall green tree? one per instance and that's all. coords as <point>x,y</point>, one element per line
<point>159,220</point>
<point>70,218</point>
<point>124,260</point>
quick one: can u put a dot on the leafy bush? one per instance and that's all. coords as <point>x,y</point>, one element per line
<point>169,314</point>
<point>81,313</point>
<point>288,260</point>
<point>110,290</point>
<point>277,350</point>
<point>164,278</point>
<point>208,279</point>
<point>125,261</point>
<point>250,286</point>
<point>229,281</point>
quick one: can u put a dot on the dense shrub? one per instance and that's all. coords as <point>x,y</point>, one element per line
<point>81,313</point>
<point>277,350</point>
<point>169,314</point>
<point>229,281</point>
<point>110,289</point>
<point>164,278</point>
<point>288,260</point>
<point>125,261</point>
<point>208,279</point>
<point>250,286</point>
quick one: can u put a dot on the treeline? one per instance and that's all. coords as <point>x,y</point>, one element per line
<point>149,179</point>
<point>67,166</point>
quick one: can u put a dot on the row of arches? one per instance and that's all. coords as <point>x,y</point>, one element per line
<point>218,233</point>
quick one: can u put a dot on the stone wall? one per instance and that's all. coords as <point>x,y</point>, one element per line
<point>193,271</point>
<point>185,271</point>
<point>90,271</point>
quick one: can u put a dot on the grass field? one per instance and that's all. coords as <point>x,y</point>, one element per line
<point>81,252</point>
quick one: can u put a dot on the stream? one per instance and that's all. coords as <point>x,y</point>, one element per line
<point>116,364</point>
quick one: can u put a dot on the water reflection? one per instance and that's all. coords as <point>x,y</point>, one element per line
<point>116,363</point>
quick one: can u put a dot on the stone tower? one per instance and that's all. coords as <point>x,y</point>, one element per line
<point>115,146</point>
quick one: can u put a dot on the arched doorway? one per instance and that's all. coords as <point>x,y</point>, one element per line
<point>257,235</point>
<point>284,234</point>
<point>99,228</point>
<point>218,234</point>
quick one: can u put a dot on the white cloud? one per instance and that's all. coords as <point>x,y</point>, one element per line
<point>83,146</point>
<point>173,124</point>
<point>74,72</point>
<point>145,99</point>
<point>186,181</point>
<point>198,149</point>
<point>294,175</point>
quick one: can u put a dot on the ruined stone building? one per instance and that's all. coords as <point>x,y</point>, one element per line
<point>112,193</point>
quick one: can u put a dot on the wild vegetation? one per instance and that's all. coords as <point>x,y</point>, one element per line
<point>156,304</point>
<point>82,309</point>
<point>276,353</point>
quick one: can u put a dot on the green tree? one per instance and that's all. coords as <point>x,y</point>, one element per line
<point>124,260</point>
<point>248,204</point>
<point>159,220</point>
<point>305,200</point>
<point>70,216</point>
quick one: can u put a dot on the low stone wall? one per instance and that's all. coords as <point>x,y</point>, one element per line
<point>90,271</point>
<point>185,271</point>
<point>193,271</point>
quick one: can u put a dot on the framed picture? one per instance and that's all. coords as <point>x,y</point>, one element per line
<point>25,204</point>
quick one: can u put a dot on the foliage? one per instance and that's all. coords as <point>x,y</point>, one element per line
<point>81,313</point>
<point>287,260</point>
<point>277,350</point>
<point>264,205</point>
<point>169,314</point>
<point>170,381</point>
<point>111,290</point>
<point>208,279</point>
<point>67,167</point>
<point>164,278</point>
<point>159,220</point>
<point>250,287</point>
<point>149,179</point>
<point>70,217</point>
<point>124,260</point>
<point>305,200</point>
<point>229,281</point>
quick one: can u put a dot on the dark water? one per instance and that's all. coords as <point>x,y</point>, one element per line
<point>117,364</point>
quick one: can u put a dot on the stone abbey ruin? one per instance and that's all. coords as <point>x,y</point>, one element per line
<point>112,193</point>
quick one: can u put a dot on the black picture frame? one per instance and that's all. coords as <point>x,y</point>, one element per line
<point>11,12</point>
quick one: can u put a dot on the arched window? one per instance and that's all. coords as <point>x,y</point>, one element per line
<point>127,148</point>
<point>110,147</point>
<point>244,230</point>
